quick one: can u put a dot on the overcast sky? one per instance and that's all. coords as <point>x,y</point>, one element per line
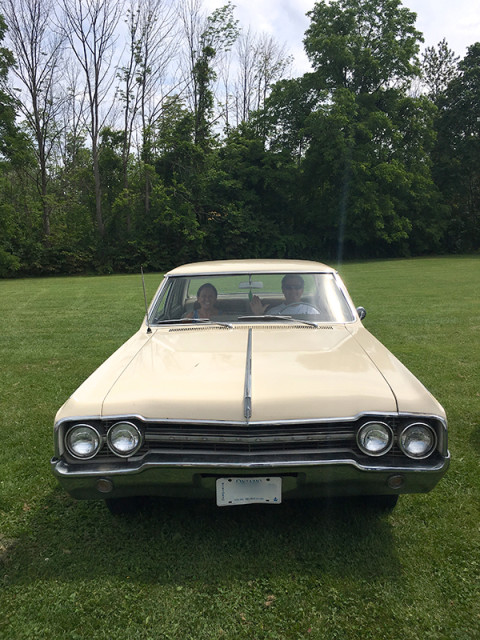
<point>456,20</point>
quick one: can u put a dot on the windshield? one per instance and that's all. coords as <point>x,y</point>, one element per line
<point>316,297</point>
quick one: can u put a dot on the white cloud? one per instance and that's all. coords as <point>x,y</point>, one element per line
<point>457,21</point>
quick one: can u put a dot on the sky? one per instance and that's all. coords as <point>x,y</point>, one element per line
<point>457,21</point>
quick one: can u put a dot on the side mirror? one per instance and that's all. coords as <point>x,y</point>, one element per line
<point>361,312</point>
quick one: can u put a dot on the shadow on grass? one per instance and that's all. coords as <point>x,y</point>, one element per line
<point>181,542</point>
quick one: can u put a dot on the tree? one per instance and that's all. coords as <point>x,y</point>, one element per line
<point>7,108</point>
<point>261,62</point>
<point>457,153</point>
<point>38,52</point>
<point>90,27</point>
<point>207,39</point>
<point>286,112</point>
<point>244,92</point>
<point>152,46</point>
<point>271,63</point>
<point>360,189</point>
<point>9,224</point>
<point>439,68</point>
<point>251,200</point>
<point>362,45</point>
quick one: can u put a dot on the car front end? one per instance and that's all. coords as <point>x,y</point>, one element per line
<point>251,408</point>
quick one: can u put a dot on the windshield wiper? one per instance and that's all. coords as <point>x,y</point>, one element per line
<point>277,317</point>
<point>193,320</point>
<point>216,322</point>
<point>172,321</point>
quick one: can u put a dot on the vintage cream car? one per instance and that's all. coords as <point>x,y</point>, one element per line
<point>250,381</point>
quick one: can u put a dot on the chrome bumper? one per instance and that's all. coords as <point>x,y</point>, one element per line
<point>192,479</point>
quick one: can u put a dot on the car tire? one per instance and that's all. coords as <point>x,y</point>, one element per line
<point>123,506</point>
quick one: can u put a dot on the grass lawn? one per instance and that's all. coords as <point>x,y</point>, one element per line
<point>182,570</point>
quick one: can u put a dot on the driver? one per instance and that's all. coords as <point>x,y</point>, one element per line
<point>292,288</point>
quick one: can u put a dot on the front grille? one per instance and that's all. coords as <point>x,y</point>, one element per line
<point>247,441</point>
<point>217,442</point>
<point>251,439</point>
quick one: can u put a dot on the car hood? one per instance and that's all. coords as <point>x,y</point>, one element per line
<point>297,373</point>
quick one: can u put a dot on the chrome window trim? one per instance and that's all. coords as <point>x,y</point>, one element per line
<point>341,286</point>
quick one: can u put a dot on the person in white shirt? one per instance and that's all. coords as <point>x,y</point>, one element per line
<point>292,288</point>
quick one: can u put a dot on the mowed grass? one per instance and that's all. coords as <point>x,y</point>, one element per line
<point>183,570</point>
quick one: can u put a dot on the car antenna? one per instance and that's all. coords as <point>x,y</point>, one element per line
<point>145,298</point>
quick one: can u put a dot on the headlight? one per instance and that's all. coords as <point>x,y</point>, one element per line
<point>375,438</point>
<point>83,441</point>
<point>124,439</point>
<point>418,440</point>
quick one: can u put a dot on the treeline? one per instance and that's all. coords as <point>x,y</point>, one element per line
<point>148,133</point>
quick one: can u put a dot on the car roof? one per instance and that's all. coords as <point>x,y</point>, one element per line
<point>250,266</point>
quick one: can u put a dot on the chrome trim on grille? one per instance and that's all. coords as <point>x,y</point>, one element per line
<point>319,437</point>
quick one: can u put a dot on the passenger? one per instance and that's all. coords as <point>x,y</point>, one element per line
<point>292,288</point>
<point>205,307</point>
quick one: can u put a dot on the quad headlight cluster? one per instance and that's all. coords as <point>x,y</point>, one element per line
<point>417,440</point>
<point>83,441</point>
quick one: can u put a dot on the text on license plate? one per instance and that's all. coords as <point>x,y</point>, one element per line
<point>248,490</point>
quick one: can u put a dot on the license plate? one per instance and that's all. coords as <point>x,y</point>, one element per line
<point>247,490</point>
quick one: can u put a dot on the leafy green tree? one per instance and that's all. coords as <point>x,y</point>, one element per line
<point>180,169</point>
<point>253,196</point>
<point>8,129</point>
<point>73,243</point>
<point>457,154</point>
<point>362,45</point>
<point>18,215</point>
<point>335,163</point>
<point>286,114</point>
<point>361,190</point>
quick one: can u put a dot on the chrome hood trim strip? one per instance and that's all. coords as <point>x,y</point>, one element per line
<point>247,397</point>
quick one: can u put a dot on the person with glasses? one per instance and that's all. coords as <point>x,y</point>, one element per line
<point>292,288</point>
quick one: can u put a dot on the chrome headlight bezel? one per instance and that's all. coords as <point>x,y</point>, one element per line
<point>426,428</point>
<point>380,427</point>
<point>131,429</point>
<point>96,441</point>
